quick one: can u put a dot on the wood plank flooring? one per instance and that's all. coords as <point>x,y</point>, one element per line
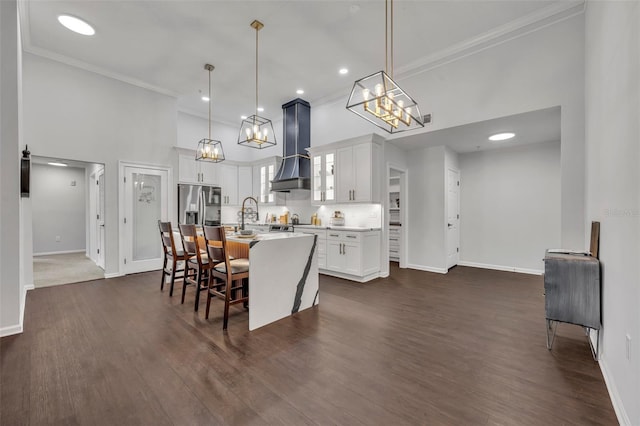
<point>466,348</point>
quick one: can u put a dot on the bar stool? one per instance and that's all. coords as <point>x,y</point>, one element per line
<point>170,254</point>
<point>228,271</point>
<point>197,267</point>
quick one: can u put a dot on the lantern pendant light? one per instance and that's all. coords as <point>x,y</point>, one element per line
<point>255,131</point>
<point>378,99</point>
<point>209,149</point>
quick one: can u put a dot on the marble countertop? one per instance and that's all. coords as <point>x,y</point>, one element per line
<point>308,226</point>
<point>264,237</point>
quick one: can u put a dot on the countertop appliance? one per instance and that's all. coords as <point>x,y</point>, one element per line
<point>199,204</point>
<point>280,228</point>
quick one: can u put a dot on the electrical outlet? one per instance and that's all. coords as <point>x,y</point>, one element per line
<point>58,239</point>
<point>73,183</point>
<point>628,341</point>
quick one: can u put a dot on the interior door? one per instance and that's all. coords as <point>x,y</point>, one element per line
<point>453,217</point>
<point>146,200</point>
<point>100,232</point>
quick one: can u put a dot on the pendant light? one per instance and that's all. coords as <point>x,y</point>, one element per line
<point>209,149</point>
<point>255,131</point>
<point>378,99</point>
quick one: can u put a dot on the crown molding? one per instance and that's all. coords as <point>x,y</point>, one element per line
<point>527,24</point>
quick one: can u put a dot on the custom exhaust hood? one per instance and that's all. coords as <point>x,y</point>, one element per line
<point>295,170</point>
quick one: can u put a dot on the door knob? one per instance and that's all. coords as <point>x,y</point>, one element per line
<point>449,225</point>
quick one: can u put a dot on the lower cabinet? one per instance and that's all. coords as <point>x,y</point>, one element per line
<point>321,246</point>
<point>353,255</point>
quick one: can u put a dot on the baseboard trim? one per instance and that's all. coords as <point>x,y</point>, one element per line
<point>350,277</point>
<point>10,330</point>
<point>427,268</point>
<point>113,275</point>
<point>616,401</point>
<point>16,329</point>
<point>49,253</point>
<point>501,268</point>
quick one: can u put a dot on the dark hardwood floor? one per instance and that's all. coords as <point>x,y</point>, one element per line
<point>466,348</point>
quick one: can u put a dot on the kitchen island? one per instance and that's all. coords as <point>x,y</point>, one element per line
<point>283,275</point>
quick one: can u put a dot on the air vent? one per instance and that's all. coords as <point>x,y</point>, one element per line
<point>426,119</point>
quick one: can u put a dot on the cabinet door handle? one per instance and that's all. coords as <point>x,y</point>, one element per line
<point>354,195</point>
<point>333,235</point>
<point>351,236</point>
<point>340,248</point>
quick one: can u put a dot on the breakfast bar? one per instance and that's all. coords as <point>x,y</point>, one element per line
<point>283,275</point>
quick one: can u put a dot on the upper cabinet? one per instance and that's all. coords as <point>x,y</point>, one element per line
<point>229,184</point>
<point>188,169</point>
<point>245,182</point>
<point>347,171</point>
<point>192,171</point>
<point>263,174</point>
<point>323,178</point>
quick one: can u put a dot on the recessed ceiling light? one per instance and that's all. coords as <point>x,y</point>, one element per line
<point>343,71</point>
<point>300,92</point>
<point>501,136</point>
<point>243,117</point>
<point>53,163</point>
<point>76,25</point>
<point>205,99</point>
<point>260,109</point>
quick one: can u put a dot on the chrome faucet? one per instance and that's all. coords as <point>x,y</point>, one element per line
<point>244,201</point>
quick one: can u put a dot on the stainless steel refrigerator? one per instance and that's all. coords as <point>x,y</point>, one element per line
<point>199,204</point>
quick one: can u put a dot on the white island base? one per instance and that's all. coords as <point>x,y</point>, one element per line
<point>283,275</point>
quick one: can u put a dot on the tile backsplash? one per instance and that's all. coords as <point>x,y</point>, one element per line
<point>365,215</point>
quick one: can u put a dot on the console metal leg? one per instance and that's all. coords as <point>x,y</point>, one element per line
<point>552,326</point>
<point>594,351</point>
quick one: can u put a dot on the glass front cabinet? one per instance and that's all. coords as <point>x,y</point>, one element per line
<point>323,180</point>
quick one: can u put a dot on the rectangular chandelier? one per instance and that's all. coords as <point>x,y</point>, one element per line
<point>256,132</point>
<point>379,100</point>
<point>209,150</point>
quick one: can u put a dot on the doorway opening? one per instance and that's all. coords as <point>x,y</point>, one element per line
<point>397,217</point>
<point>65,199</point>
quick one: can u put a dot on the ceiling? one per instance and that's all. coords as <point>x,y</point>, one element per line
<point>530,127</point>
<point>163,45</point>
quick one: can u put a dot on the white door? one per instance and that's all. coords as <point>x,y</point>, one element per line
<point>100,234</point>
<point>453,217</point>
<point>146,200</point>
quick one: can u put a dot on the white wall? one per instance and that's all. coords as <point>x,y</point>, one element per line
<point>75,114</point>
<point>613,189</point>
<point>539,70</point>
<point>11,284</point>
<point>510,206</point>
<point>192,128</point>
<point>58,208</point>
<point>426,209</point>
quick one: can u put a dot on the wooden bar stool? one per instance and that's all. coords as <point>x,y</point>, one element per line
<point>227,271</point>
<point>197,267</point>
<point>171,254</point>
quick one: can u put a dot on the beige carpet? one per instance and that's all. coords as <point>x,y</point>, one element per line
<point>66,268</point>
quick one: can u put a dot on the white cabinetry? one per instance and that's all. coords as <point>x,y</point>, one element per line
<point>188,169</point>
<point>321,244</point>
<point>353,255</point>
<point>394,243</point>
<point>192,171</point>
<point>355,174</point>
<point>245,182</point>
<point>323,178</point>
<point>347,171</point>
<point>229,184</point>
<point>263,174</point>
